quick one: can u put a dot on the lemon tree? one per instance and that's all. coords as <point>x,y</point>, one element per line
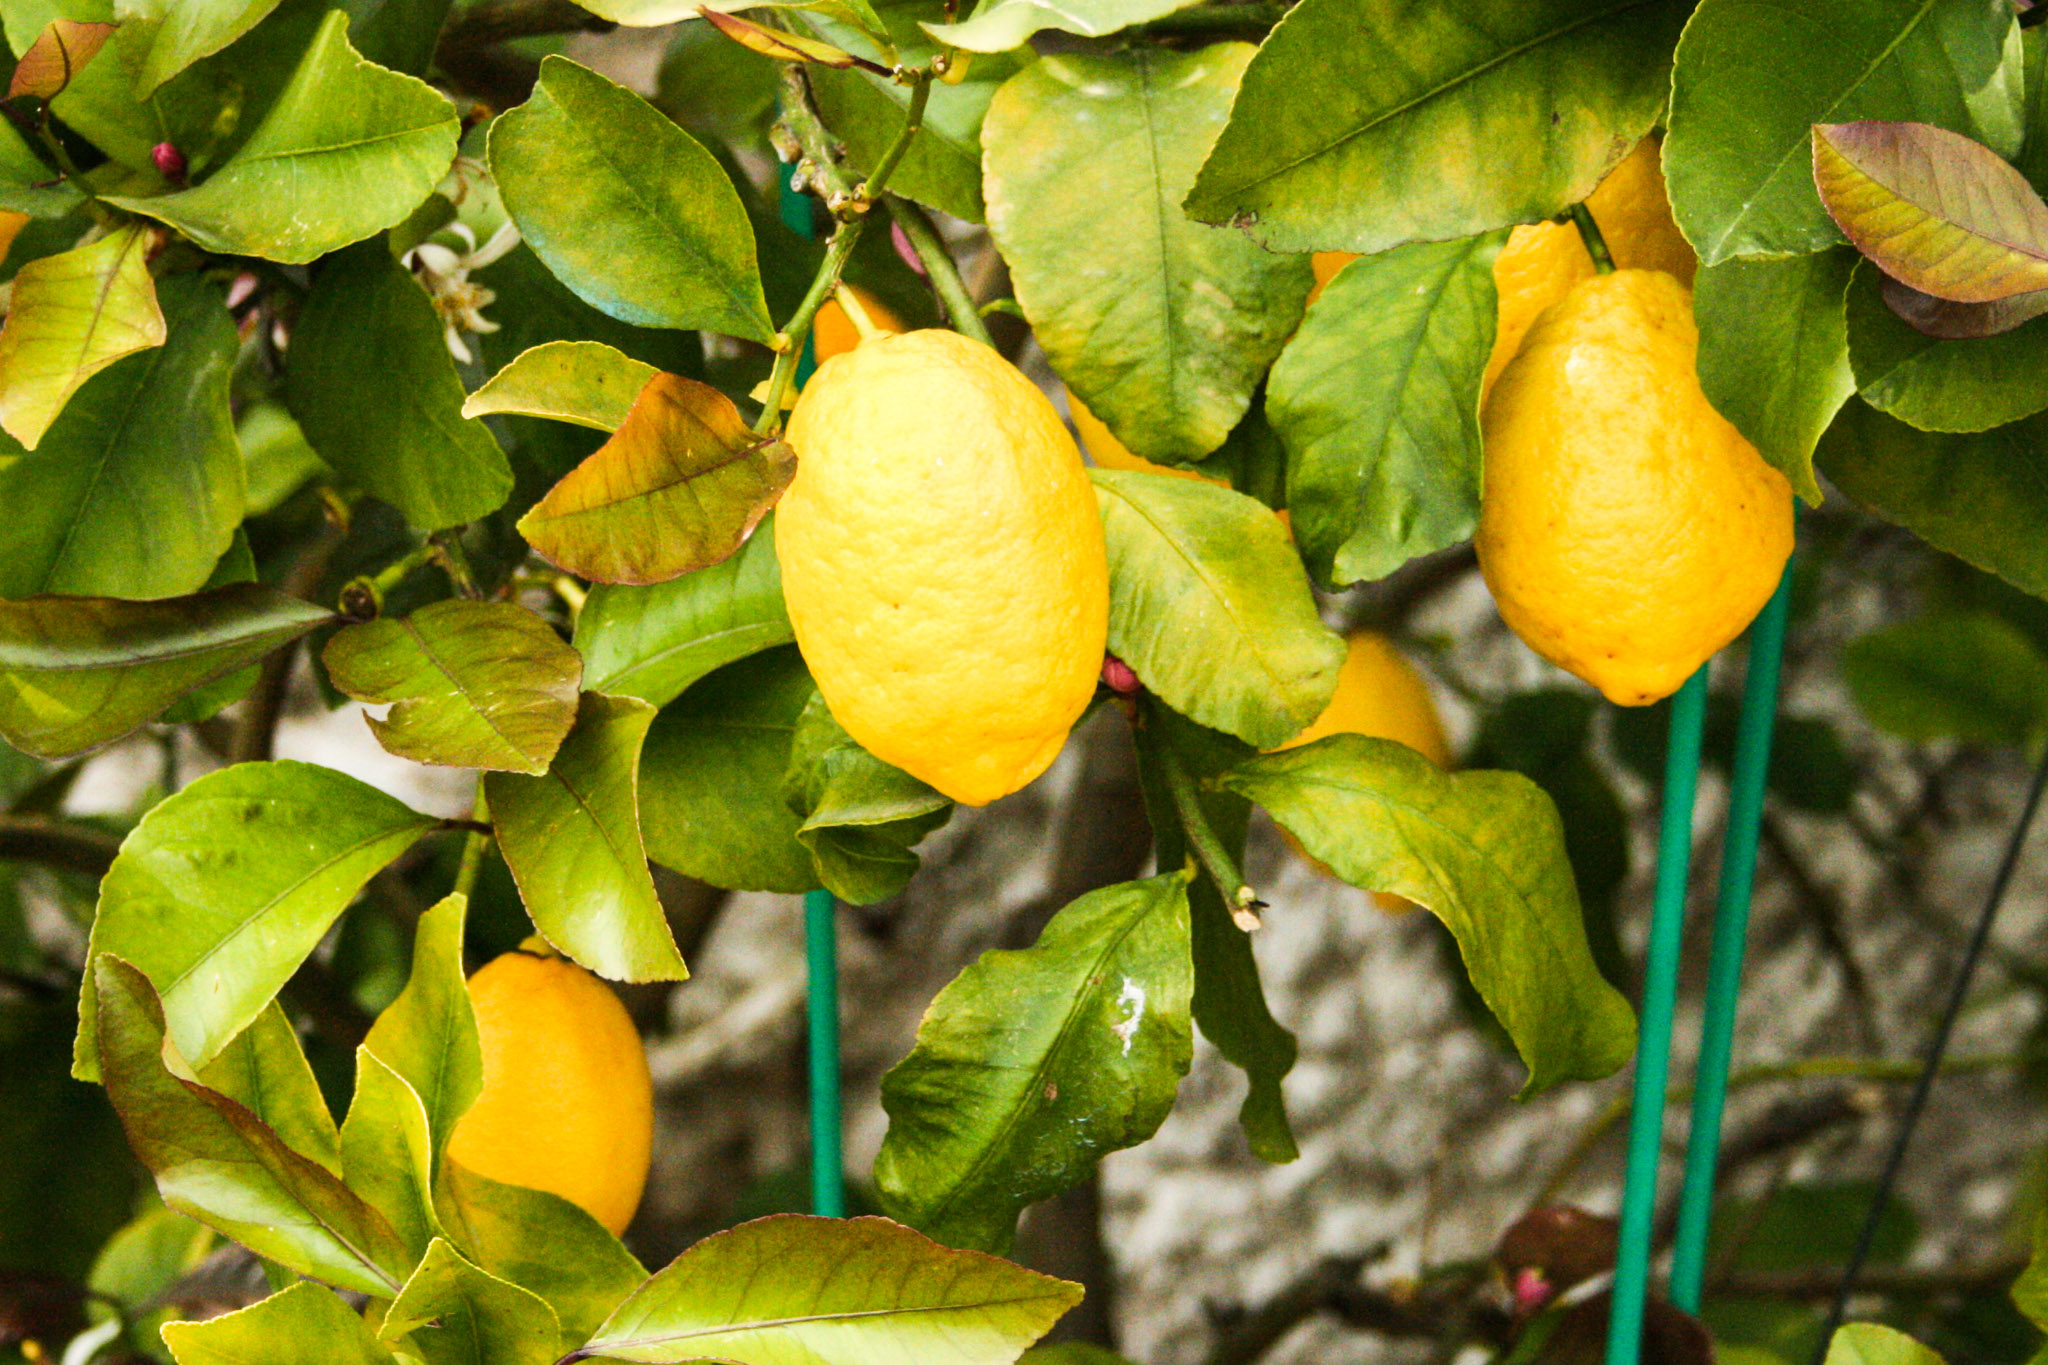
<point>398,345</point>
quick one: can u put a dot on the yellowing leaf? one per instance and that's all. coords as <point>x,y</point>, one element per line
<point>59,53</point>
<point>777,43</point>
<point>72,315</point>
<point>585,382</point>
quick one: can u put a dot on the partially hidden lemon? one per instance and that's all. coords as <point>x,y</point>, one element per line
<point>567,1105</point>
<point>1107,451</point>
<point>1326,264</point>
<point>1627,530</point>
<point>833,332</point>
<point>943,561</point>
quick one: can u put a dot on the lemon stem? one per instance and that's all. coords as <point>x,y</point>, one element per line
<point>939,269</point>
<point>1596,245</point>
<point>1207,848</point>
<point>473,846</point>
<point>799,325</point>
<point>856,313</point>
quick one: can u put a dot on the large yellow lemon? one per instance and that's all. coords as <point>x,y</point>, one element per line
<point>1627,530</point>
<point>567,1105</point>
<point>943,561</point>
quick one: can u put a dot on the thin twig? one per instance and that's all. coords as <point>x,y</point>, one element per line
<point>57,844</point>
<point>939,269</point>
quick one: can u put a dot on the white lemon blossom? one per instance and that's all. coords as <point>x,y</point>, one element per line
<point>445,272</point>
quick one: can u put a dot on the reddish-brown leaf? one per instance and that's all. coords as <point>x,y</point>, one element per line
<point>59,53</point>
<point>1955,321</point>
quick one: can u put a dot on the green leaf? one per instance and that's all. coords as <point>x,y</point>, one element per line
<point>224,888</point>
<point>1983,498</point>
<point>1071,1353</point>
<point>151,1252</point>
<point>1739,158</point>
<point>1004,24</point>
<point>711,803</point>
<point>428,1034</point>
<point>77,672</point>
<point>348,150</point>
<point>402,438</point>
<point>265,1071</point>
<point>679,486</point>
<point>1031,1066</point>
<point>136,489</point>
<point>656,641</point>
<point>399,34</point>
<point>1208,604</point>
<point>572,840</point>
<point>861,817</point>
<point>857,1291</point>
<point>386,1152</point>
<point>456,1314</point>
<point>655,233</point>
<point>585,382</point>
<point>1936,385</point>
<point>215,1161</point>
<point>1359,119</point>
<point>540,1242</point>
<point>28,184</point>
<point>177,33</point>
<point>302,1325</point>
<point>1774,353</point>
<point>1960,675</point>
<point>1377,401</point>
<point>1484,852</point>
<point>2030,1290</point>
<point>238,565</point>
<point>1170,327</point>
<point>71,316</point>
<point>1869,1343</point>
<point>476,684</point>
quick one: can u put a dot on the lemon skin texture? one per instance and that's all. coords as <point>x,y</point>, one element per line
<point>1634,214</point>
<point>567,1105</point>
<point>943,561</point>
<point>833,332</point>
<point>1109,453</point>
<point>1626,529</point>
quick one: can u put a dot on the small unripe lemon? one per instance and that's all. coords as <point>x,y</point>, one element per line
<point>567,1105</point>
<point>834,333</point>
<point>1109,453</point>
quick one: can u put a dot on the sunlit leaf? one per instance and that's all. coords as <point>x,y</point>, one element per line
<point>76,672</point>
<point>1484,852</point>
<point>1208,604</point>
<point>654,234</point>
<point>455,1314</point>
<point>585,382</point>
<point>265,1071</point>
<point>1937,385</point>
<point>63,49</point>
<point>348,150</point>
<point>476,684</point>
<point>224,888</point>
<point>679,487</point>
<point>1870,1343</point>
<point>71,315</point>
<point>779,44</point>
<point>1364,124</point>
<point>540,1242</point>
<point>861,816</point>
<point>1971,676</point>
<point>1033,1065</point>
<point>178,33</point>
<point>428,1034</point>
<point>572,840</point>
<point>1004,24</point>
<point>386,1153</point>
<point>304,1324</point>
<point>858,1291</point>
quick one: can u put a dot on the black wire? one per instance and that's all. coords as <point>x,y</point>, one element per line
<point>1932,1065</point>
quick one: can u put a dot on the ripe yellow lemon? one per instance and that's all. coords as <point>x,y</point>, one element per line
<point>1627,530</point>
<point>943,561</point>
<point>1634,214</point>
<point>1107,451</point>
<point>833,331</point>
<point>567,1105</point>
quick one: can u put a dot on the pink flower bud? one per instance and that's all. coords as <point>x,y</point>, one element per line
<point>904,248</point>
<point>1530,1289</point>
<point>1118,677</point>
<point>170,162</point>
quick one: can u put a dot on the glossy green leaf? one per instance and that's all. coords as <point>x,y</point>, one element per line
<point>711,802</point>
<point>1376,400</point>
<point>1484,852</point>
<point>655,233</point>
<point>402,438</point>
<point>136,489</point>
<point>585,382</point>
<point>1360,122</point>
<point>680,486</point>
<point>1936,385</point>
<point>215,1161</point>
<point>1774,353</point>
<point>572,839</point>
<point>224,888</point>
<point>265,1071</point>
<point>455,1314</point>
<point>1004,24</point>
<point>476,684</point>
<point>428,1036</point>
<point>77,672</point>
<point>304,1324</point>
<point>792,1290</point>
<point>1739,158</point>
<point>540,1242</point>
<point>1870,1343</point>
<point>653,642</point>
<point>1173,322</point>
<point>1033,1065</point>
<point>238,565</point>
<point>348,150</point>
<point>177,33</point>
<point>1983,498</point>
<point>1208,604</point>
<point>1934,209</point>
<point>1964,675</point>
<point>861,817</point>
<point>71,315</point>
<point>386,1152</point>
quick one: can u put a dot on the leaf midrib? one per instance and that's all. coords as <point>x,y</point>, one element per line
<point>774,1324</point>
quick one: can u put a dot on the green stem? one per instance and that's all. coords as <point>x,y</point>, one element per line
<point>799,325</point>
<point>1208,849</point>
<point>446,549</point>
<point>913,119</point>
<point>1596,245</point>
<point>939,268</point>
<point>74,177</point>
<point>473,846</point>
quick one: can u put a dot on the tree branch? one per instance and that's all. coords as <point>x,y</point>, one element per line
<point>57,844</point>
